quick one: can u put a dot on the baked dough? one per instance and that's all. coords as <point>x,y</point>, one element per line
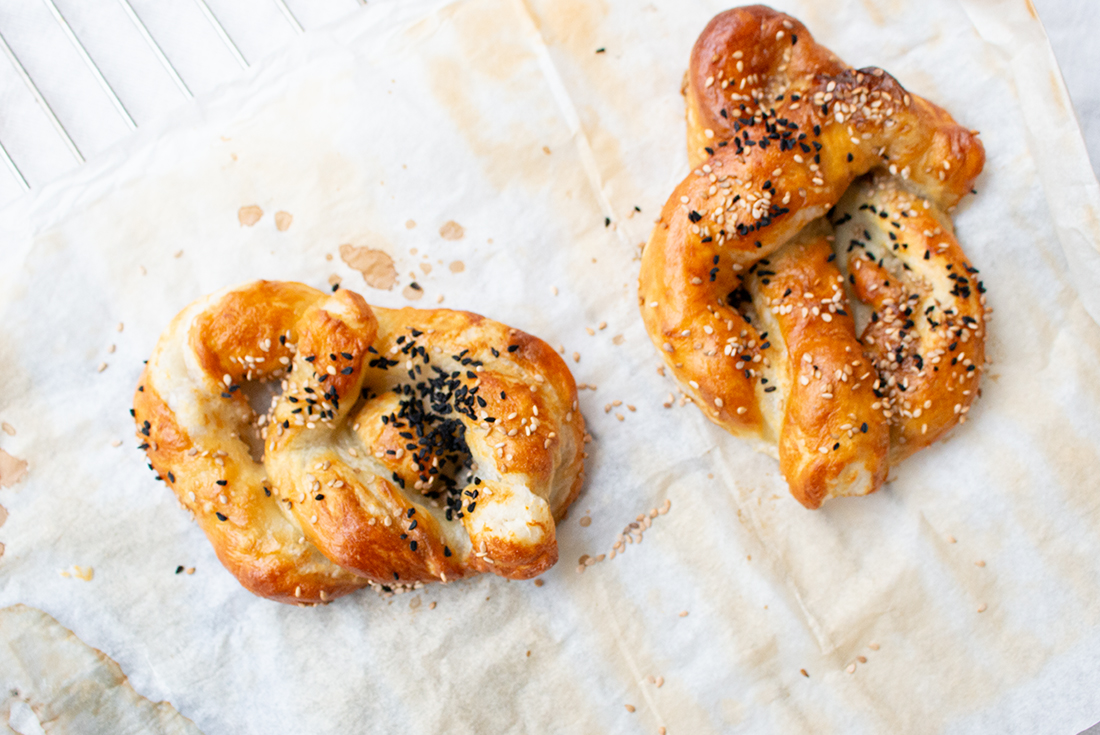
<point>405,446</point>
<point>741,289</point>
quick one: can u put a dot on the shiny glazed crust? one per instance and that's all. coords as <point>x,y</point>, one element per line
<point>378,407</point>
<point>741,289</point>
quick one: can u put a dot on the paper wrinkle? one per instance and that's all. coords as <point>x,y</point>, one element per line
<point>554,79</point>
<point>347,133</point>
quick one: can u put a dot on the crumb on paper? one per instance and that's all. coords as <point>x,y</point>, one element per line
<point>179,254</point>
<point>12,469</point>
<point>409,224</point>
<point>439,299</point>
<point>111,350</point>
<point>982,607</point>
<point>803,672</point>
<point>431,606</point>
<point>684,614</point>
<point>554,290</point>
<point>457,266</point>
<point>8,428</point>
<point>120,327</point>
<point>116,442</point>
<point>413,292</point>
<point>629,707</point>
<point>539,583</point>
<point>376,265</point>
<point>546,149</point>
<point>451,230</point>
<point>618,339</point>
<point>249,215</point>
<point>283,220</point>
<point>101,368</point>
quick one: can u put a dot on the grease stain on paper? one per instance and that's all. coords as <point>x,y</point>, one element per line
<point>376,265</point>
<point>70,686</point>
<point>451,230</point>
<point>12,469</point>
<point>249,215</point>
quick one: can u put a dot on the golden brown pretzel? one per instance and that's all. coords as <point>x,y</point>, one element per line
<point>739,288</point>
<point>406,446</point>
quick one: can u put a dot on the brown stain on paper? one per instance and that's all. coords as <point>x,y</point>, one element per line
<point>375,265</point>
<point>70,686</point>
<point>451,230</point>
<point>283,220</point>
<point>457,266</point>
<point>249,215</point>
<point>12,469</point>
<point>507,151</point>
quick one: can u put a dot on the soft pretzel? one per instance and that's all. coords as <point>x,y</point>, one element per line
<point>406,445</point>
<point>740,288</point>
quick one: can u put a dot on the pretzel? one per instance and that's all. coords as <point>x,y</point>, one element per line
<point>740,286</point>
<point>405,446</point>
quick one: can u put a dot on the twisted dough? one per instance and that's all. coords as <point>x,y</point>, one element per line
<point>740,287</point>
<point>406,445</point>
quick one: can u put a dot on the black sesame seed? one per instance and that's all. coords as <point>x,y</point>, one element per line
<point>221,517</point>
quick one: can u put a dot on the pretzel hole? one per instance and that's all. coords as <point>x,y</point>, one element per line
<point>261,396</point>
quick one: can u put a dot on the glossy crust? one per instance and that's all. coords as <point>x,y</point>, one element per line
<point>739,287</point>
<point>377,408</point>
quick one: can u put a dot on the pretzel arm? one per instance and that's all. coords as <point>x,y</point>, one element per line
<point>196,373</point>
<point>348,515</point>
<point>927,328</point>
<point>831,441</point>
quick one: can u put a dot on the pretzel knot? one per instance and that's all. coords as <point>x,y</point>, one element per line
<point>405,446</point>
<point>815,183</point>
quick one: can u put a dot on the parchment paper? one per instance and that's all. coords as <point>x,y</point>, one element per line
<point>505,117</point>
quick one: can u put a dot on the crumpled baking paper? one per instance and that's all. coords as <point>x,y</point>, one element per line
<point>962,598</point>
